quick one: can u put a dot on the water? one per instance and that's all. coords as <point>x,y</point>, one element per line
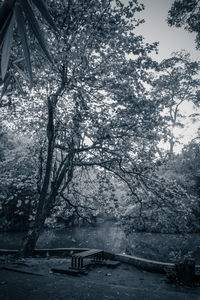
<point>107,235</point>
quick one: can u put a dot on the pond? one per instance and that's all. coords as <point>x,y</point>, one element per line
<point>106,235</point>
<point>109,236</point>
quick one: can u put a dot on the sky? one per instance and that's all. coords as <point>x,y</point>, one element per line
<point>156,28</point>
<point>171,39</point>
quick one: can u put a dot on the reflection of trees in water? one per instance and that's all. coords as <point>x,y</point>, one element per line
<point>107,235</point>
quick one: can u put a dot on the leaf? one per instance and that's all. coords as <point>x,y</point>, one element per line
<point>5,11</point>
<point>19,203</point>
<point>22,32</point>
<point>6,84</point>
<point>35,27</point>
<point>179,124</point>
<point>7,42</point>
<point>41,5</point>
<point>194,115</point>
<point>4,28</point>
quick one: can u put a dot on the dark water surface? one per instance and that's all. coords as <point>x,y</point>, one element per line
<point>106,235</point>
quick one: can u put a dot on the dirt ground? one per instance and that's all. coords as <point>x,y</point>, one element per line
<point>125,282</point>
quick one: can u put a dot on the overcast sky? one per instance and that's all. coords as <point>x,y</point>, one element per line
<point>156,28</point>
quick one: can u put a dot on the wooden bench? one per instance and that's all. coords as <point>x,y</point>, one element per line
<point>77,259</point>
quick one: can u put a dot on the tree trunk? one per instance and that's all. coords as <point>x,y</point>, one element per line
<point>31,238</point>
<point>43,210</point>
<point>171,143</point>
<point>68,169</point>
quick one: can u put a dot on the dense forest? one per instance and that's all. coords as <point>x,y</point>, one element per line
<point>88,119</point>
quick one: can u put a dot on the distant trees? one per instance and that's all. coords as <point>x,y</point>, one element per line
<point>176,83</point>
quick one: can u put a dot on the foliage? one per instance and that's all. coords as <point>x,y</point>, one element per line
<point>89,194</point>
<point>20,12</point>
<point>186,13</point>
<point>18,196</point>
<point>176,83</point>
<point>166,209</point>
<point>190,165</point>
<point>184,168</point>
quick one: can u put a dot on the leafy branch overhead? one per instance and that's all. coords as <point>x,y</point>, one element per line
<point>186,13</point>
<point>16,13</point>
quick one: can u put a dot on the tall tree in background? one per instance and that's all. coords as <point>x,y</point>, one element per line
<point>176,84</point>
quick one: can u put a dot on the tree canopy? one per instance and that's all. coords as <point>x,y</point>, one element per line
<point>186,13</point>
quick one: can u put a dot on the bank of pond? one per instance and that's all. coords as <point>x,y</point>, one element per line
<point>109,236</point>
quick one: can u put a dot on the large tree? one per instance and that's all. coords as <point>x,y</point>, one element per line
<point>94,96</point>
<point>91,107</point>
